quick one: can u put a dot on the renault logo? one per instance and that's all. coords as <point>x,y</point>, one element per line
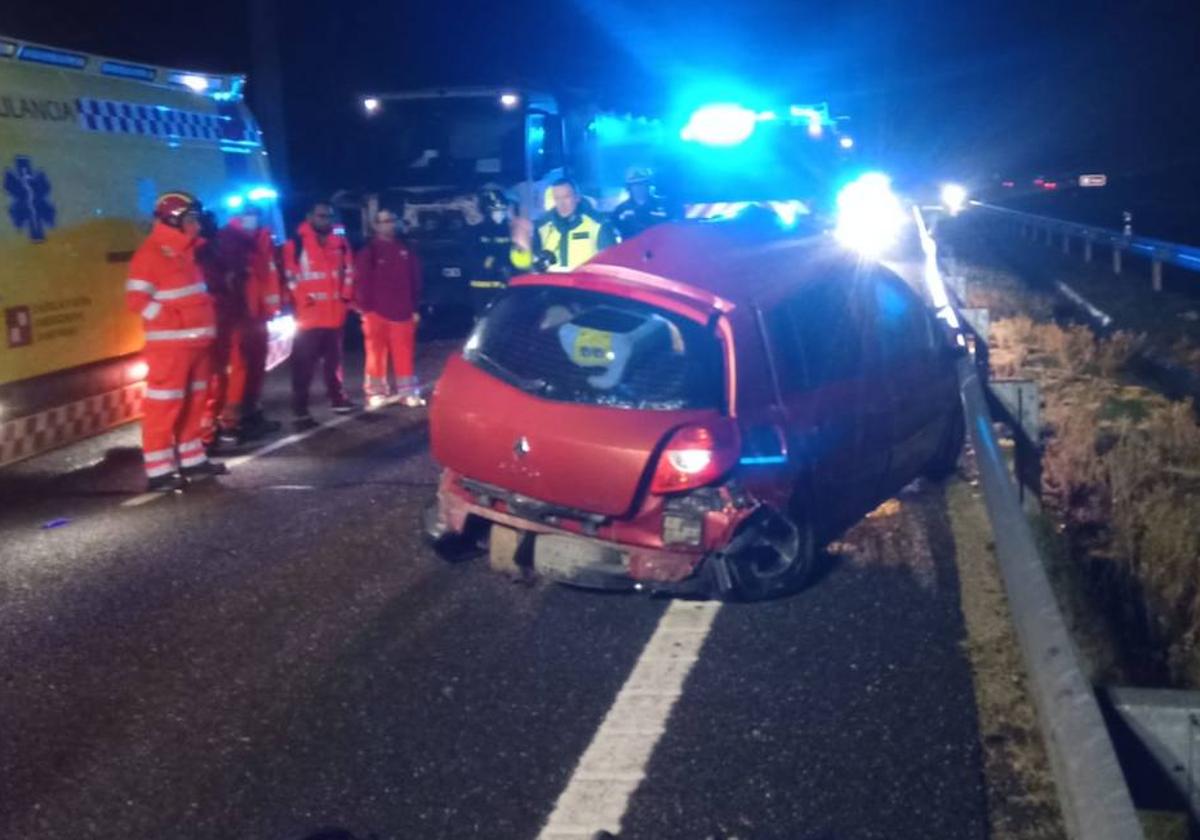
<point>521,447</point>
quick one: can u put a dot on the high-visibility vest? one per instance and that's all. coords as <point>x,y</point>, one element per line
<point>571,248</point>
<point>320,277</point>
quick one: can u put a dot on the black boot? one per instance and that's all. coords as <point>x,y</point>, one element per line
<point>168,483</point>
<point>208,469</point>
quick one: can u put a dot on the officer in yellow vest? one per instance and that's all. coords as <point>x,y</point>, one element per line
<point>565,238</point>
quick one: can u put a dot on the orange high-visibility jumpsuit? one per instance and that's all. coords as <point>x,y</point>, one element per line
<point>248,300</point>
<point>167,289</point>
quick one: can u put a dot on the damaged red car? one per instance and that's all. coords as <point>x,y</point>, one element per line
<point>696,411</point>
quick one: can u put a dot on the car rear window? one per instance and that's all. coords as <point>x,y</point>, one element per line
<point>585,347</point>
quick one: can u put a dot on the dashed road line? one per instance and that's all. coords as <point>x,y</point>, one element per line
<point>614,763</point>
<point>273,446</point>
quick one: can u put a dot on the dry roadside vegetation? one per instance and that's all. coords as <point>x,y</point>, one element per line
<point>1121,476</point>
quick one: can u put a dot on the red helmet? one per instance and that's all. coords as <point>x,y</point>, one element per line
<point>171,207</point>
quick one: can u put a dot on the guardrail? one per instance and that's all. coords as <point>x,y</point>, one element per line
<point>1158,251</point>
<point>1095,800</point>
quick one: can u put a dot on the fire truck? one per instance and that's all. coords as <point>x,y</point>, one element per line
<point>431,155</point>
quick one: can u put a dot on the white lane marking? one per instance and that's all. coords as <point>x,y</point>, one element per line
<point>142,499</point>
<point>257,453</point>
<point>614,763</point>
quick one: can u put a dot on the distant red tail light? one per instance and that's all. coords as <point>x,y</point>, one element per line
<point>695,456</point>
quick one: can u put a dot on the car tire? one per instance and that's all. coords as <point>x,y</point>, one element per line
<point>777,561</point>
<point>945,462</point>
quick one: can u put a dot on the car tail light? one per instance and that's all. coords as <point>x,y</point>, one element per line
<point>695,456</point>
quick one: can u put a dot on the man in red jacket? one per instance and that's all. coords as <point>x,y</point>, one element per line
<point>245,281</point>
<point>167,289</point>
<point>387,290</point>
<point>320,274</point>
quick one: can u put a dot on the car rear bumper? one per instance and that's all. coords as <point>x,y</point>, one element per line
<point>589,561</point>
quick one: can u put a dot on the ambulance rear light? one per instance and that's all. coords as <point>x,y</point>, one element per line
<point>137,371</point>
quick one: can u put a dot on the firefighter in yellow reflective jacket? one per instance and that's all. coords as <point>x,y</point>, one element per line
<point>568,236</point>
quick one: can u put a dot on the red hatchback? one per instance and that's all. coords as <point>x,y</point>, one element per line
<point>695,411</point>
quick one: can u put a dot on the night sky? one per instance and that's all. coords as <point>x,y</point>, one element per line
<point>938,89</point>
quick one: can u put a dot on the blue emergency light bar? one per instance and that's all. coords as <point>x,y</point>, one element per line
<point>215,86</point>
<point>58,58</point>
<point>128,71</point>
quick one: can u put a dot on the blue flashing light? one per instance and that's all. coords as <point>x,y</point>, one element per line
<point>56,57</point>
<point>128,71</point>
<point>720,124</point>
<point>762,460</point>
<point>262,194</point>
<point>192,81</point>
<point>234,202</point>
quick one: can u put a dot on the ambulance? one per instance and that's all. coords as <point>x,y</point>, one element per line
<point>86,145</point>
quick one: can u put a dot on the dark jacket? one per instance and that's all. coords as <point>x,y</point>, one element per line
<point>631,218</point>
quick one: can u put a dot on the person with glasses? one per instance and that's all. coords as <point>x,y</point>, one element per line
<point>387,291</point>
<point>320,276</point>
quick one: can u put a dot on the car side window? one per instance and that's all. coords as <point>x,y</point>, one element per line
<point>820,335</point>
<point>903,325</point>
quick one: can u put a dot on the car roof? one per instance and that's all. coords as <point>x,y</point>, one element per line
<point>725,264</point>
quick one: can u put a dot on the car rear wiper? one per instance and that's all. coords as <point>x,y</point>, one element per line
<point>532,385</point>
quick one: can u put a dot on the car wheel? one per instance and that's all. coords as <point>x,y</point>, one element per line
<point>773,556</point>
<point>945,462</point>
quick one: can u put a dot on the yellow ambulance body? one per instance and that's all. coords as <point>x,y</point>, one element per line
<point>86,145</point>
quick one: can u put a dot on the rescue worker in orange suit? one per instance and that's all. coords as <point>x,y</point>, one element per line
<point>320,275</point>
<point>387,289</point>
<point>166,287</point>
<point>245,282</point>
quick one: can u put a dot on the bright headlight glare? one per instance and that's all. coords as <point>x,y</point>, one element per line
<point>954,198</point>
<point>869,214</point>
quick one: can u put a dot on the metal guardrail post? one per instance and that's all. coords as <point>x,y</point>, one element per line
<point>1087,249</point>
<point>1116,259</point>
<point>1156,274</point>
<point>1066,243</point>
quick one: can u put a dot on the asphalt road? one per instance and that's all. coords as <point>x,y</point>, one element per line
<point>279,654</point>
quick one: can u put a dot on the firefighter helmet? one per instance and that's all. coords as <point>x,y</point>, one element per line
<point>171,207</point>
<point>638,175</point>
<point>492,200</point>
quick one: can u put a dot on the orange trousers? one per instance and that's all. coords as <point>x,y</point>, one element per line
<point>386,341</point>
<point>239,369</point>
<point>174,407</point>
